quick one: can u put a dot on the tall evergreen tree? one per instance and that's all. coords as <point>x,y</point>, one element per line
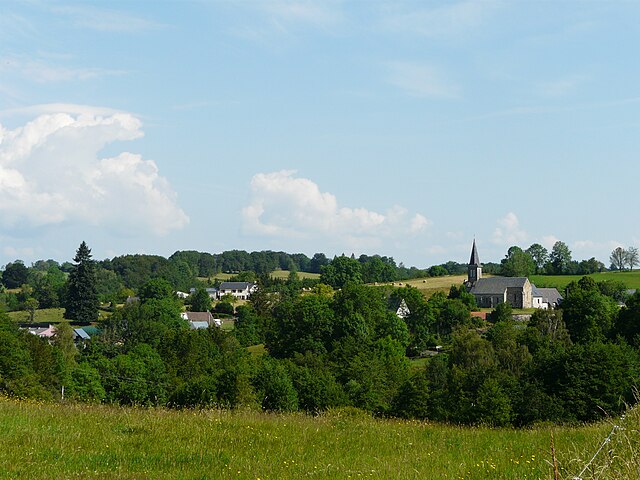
<point>82,296</point>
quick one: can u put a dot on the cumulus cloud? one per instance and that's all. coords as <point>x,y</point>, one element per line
<point>51,174</point>
<point>548,241</point>
<point>508,231</point>
<point>288,206</point>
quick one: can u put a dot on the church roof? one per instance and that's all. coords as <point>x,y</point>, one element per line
<point>497,285</point>
<point>475,259</point>
<point>549,295</point>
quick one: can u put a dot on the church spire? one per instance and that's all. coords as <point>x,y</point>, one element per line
<point>475,260</point>
<point>475,267</point>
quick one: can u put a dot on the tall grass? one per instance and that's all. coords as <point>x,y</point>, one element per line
<point>43,441</point>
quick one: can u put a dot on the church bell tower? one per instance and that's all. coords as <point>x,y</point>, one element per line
<point>474,272</point>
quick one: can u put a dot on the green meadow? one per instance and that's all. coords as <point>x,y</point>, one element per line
<point>44,315</point>
<point>44,441</point>
<point>630,279</point>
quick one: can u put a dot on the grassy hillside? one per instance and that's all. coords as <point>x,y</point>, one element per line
<point>275,274</point>
<point>42,441</point>
<point>630,279</point>
<point>428,286</point>
<point>44,315</point>
<point>285,274</point>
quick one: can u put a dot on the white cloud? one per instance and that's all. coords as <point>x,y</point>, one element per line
<point>421,80</point>
<point>560,86</point>
<point>20,252</point>
<point>283,205</point>
<point>448,21</point>
<point>51,174</point>
<point>591,246</point>
<point>105,20</point>
<point>548,241</point>
<point>312,12</point>
<point>43,71</point>
<point>508,231</point>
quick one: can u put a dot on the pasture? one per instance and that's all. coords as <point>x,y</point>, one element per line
<point>43,441</point>
<point>630,279</point>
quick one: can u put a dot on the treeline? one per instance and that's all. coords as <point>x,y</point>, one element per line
<point>538,260</point>
<point>327,348</point>
<point>43,284</point>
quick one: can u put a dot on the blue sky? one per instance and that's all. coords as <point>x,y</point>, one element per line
<point>399,128</point>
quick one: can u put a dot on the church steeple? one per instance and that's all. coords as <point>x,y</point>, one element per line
<point>475,267</point>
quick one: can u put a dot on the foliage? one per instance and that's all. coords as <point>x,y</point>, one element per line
<point>200,301</point>
<point>81,302</point>
<point>588,314</point>
<point>560,258</point>
<point>540,256</point>
<point>517,263</point>
<point>341,271</point>
<point>15,274</point>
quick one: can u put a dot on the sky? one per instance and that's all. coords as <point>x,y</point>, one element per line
<point>398,128</point>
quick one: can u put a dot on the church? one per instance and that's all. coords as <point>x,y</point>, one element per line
<point>519,292</point>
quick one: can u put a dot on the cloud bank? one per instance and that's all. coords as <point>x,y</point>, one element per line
<point>51,174</point>
<point>283,205</point>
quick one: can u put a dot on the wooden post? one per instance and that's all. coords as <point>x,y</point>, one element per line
<point>556,473</point>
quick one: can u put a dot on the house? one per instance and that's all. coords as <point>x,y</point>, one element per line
<point>403,310</point>
<point>546,298</point>
<point>80,335</point>
<point>200,320</point>
<point>519,292</point>
<point>240,290</point>
<point>213,292</point>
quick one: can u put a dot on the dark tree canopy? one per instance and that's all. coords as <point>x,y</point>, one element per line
<point>340,271</point>
<point>15,274</point>
<point>82,297</point>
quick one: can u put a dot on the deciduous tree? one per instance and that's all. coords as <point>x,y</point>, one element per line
<point>618,258</point>
<point>632,258</point>
<point>560,258</point>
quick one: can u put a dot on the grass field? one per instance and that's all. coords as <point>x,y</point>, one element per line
<point>285,274</point>
<point>428,286</point>
<point>44,441</point>
<point>630,279</point>
<point>45,315</point>
<point>275,274</point>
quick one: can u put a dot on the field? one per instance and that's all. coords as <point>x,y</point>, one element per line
<point>43,441</point>
<point>630,279</point>
<point>275,274</point>
<point>428,286</point>
<point>45,315</point>
<point>285,274</point>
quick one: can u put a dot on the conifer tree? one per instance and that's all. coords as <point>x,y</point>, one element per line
<point>82,297</point>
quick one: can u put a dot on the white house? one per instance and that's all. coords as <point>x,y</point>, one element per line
<point>240,290</point>
<point>200,320</point>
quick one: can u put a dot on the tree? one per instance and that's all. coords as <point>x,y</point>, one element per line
<point>82,296</point>
<point>63,339</point>
<point>618,259</point>
<point>200,301</point>
<point>156,289</point>
<point>539,254</point>
<point>632,258</point>
<point>15,274</point>
<point>517,263</point>
<point>340,271</point>
<point>560,258</point>
<point>31,305</point>
<point>318,261</point>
